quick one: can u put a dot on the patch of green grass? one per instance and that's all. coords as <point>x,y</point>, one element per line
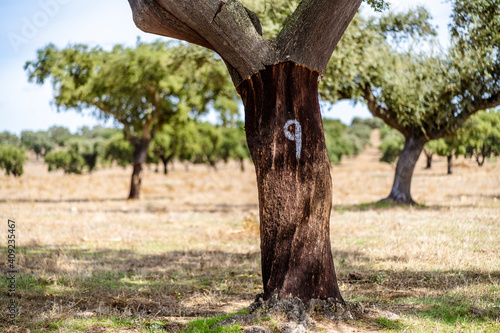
<point>206,324</point>
<point>392,325</point>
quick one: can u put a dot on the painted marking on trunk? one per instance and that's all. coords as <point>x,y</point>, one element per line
<point>297,137</point>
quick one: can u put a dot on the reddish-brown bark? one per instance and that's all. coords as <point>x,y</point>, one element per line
<point>294,191</point>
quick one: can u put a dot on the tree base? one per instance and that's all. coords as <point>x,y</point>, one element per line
<point>399,200</point>
<point>292,314</point>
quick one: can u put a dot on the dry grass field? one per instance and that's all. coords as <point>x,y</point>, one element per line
<point>91,261</point>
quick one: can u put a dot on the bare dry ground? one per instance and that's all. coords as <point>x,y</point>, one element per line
<point>91,261</point>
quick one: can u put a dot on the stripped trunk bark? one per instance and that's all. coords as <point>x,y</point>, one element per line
<point>401,187</point>
<point>286,140</point>
<point>140,154</point>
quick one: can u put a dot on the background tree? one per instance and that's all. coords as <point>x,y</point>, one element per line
<point>59,134</point>
<point>392,144</point>
<point>66,160</point>
<point>88,149</point>
<point>278,83</point>
<point>163,146</point>
<point>117,149</point>
<point>12,159</point>
<point>210,141</point>
<point>482,135</point>
<point>337,145</point>
<point>7,138</point>
<point>141,88</point>
<point>449,147</point>
<point>39,142</point>
<point>424,96</point>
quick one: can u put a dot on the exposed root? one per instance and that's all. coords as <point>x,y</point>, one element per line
<point>298,316</point>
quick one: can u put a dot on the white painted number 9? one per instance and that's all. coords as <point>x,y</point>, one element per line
<point>297,137</point>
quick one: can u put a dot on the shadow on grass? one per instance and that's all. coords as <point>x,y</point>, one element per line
<point>58,284</point>
<point>377,205</point>
<point>381,206</point>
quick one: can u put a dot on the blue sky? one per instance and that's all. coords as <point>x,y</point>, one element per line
<point>28,25</point>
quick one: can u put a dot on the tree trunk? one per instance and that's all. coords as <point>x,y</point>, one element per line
<point>450,164</point>
<point>429,159</point>
<point>480,159</point>
<point>164,160</point>
<point>286,140</point>
<point>140,154</point>
<point>407,160</point>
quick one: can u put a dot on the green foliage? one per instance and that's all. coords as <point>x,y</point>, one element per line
<point>142,87</point>
<point>378,5</point>
<point>88,149</point>
<point>342,140</point>
<point>482,135</point>
<point>59,134</point>
<point>429,94</point>
<point>392,144</point>
<point>68,161</point>
<point>373,123</point>
<point>7,138</point>
<point>39,142</point>
<point>274,14</point>
<point>12,159</point>
<point>210,140</point>
<point>413,23</point>
<point>336,143</point>
<point>234,144</point>
<point>98,132</point>
<point>119,150</point>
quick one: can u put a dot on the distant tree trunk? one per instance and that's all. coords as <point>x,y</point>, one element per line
<point>140,155</point>
<point>428,156</point>
<point>165,160</point>
<point>242,164</point>
<point>401,188</point>
<point>286,140</point>
<point>450,164</point>
<point>213,165</point>
<point>91,161</point>
<point>480,158</point>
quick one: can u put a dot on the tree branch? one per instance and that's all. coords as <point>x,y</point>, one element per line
<point>313,30</point>
<point>488,103</point>
<point>230,33</point>
<point>377,111</point>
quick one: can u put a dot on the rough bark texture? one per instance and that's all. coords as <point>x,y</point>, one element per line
<point>294,182</point>
<point>401,187</point>
<point>140,154</point>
